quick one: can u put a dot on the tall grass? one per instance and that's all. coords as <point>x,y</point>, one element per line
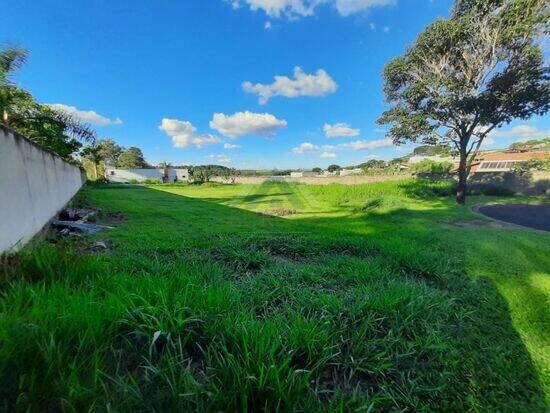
<point>199,306</point>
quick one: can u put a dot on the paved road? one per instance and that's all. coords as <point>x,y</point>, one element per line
<point>533,216</point>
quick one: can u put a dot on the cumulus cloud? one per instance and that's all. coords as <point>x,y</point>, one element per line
<point>361,145</point>
<point>303,84</point>
<point>246,123</point>
<point>301,8</point>
<point>328,155</point>
<point>522,132</point>
<point>340,130</point>
<point>184,134</point>
<point>304,147</point>
<point>87,116</point>
<point>230,146</point>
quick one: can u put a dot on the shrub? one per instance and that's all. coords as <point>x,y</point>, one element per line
<point>432,167</point>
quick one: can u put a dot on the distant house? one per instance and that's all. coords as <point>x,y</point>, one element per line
<point>435,158</point>
<point>347,172</point>
<point>140,175</point>
<point>302,174</point>
<point>504,161</point>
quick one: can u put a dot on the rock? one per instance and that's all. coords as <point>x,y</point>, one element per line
<point>99,246</point>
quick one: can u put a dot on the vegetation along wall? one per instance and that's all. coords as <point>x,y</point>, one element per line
<point>34,185</point>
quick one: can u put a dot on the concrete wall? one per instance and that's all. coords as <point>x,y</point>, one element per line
<point>140,175</point>
<point>34,185</point>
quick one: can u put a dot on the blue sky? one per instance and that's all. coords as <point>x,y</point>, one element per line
<point>193,81</point>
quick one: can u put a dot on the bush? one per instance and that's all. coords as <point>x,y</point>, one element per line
<point>432,167</point>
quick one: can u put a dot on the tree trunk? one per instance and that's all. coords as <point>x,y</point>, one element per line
<point>95,171</point>
<point>462,177</point>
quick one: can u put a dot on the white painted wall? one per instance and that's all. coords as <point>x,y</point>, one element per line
<point>34,186</point>
<point>140,175</point>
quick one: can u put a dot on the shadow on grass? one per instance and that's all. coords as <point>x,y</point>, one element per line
<point>447,344</point>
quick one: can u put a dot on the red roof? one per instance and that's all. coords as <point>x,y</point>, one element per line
<point>507,156</point>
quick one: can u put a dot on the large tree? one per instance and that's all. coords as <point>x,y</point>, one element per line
<point>110,151</point>
<point>467,75</point>
<point>132,157</point>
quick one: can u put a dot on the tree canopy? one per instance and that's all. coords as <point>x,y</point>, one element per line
<point>56,131</point>
<point>131,157</point>
<point>467,75</point>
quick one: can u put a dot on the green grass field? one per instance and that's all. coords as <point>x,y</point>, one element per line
<point>364,298</point>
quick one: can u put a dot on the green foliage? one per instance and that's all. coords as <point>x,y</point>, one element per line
<point>110,151</point>
<point>131,157</point>
<point>373,164</point>
<point>467,75</point>
<point>431,167</point>
<point>526,168</point>
<point>204,173</point>
<point>333,168</point>
<point>531,144</point>
<point>429,150</point>
<point>54,130</point>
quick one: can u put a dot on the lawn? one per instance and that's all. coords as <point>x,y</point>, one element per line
<point>279,297</point>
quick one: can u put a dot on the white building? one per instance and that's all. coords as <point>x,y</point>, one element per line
<point>140,175</point>
<point>435,158</point>
<point>302,174</point>
<point>347,172</point>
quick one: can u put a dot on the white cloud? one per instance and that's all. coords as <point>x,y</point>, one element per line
<point>371,157</point>
<point>87,116</point>
<point>276,8</point>
<point>522,132</point>
<point>303,84</point>
<point>246,123</point>
<point>386,29</point>
<point>328,155</point>
<point>184,134</point>
<point>372,26</point>
<point>230,146</point>
<point>328,147</point>
<point>301,8</point>
<point>304,147</point>
<point>267,25</point>
<point>221,158</point>
<point>347,7</point>
<point>340,130</point>
<point>360,145</point>
<point>488,141</point>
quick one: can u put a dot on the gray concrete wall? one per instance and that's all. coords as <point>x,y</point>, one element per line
<point>34,185</point>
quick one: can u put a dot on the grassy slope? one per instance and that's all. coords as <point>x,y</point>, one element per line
<point>364,299</point>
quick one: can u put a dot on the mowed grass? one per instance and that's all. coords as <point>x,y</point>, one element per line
<point>364,299</point>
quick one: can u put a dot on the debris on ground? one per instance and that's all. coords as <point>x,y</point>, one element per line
<point>278,212</point>
<point>99,246</point>
<point>74,221</point>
